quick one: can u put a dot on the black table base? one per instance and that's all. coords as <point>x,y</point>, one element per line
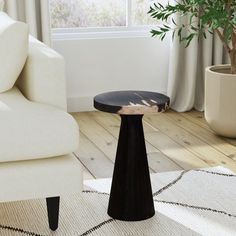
<point>131,193</point>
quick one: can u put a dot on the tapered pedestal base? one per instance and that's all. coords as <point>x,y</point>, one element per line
<point>131,193</point>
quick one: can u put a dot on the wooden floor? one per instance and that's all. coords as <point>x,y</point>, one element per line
<point>174,141</point>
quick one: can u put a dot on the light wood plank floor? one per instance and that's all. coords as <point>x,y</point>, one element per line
<point>174,141</point>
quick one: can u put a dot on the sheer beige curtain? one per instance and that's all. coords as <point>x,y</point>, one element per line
<point>35,13</point>
<point>187,69</point>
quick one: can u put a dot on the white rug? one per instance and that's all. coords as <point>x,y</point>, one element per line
<point>197,202</point>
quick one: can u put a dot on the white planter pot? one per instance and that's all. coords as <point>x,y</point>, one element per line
<point>220,100</point>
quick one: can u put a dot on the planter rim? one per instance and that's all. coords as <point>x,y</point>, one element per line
<point>209,70</point>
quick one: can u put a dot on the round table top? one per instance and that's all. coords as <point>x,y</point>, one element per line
<point>131,102</point>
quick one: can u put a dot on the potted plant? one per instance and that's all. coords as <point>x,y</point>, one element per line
<point>207,17</point>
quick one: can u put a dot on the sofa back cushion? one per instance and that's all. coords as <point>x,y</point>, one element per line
<point>13,50</point>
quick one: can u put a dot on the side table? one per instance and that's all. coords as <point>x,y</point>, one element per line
<point>131,192</point>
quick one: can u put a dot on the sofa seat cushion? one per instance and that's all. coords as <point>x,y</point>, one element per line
<point>13,50</point>
<point>32,130</point>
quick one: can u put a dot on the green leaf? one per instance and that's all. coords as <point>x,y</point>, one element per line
<point>196,17</point>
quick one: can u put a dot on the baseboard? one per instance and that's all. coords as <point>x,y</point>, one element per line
<point>78,104</point>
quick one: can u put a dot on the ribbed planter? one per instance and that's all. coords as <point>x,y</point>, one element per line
<point>220,100</point>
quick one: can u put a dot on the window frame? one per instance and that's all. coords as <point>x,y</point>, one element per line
<point>129,30</point>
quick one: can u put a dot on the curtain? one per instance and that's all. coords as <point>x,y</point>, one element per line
<point>187,69</point>
<point>1,5</point>
<point>35,13</point>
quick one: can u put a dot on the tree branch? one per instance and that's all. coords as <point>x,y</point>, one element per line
<point>234,40</point>
<point>225,43</point>
<point>229,4</point>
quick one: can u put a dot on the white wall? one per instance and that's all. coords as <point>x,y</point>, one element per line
<point>99,65</point>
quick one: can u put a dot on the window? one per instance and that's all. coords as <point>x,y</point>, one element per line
<point>70,16</point>
<point>87,13</point>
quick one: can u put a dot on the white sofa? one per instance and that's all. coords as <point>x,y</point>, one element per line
<point>37,135</point>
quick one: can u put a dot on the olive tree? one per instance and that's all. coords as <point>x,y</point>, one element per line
<point>203,16</point>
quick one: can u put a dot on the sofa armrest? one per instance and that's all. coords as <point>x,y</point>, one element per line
<point>43,77</point>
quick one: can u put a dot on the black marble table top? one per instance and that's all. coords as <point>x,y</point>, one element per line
<point>131,102</point>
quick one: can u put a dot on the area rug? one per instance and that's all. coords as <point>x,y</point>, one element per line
<point>196,202</point>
